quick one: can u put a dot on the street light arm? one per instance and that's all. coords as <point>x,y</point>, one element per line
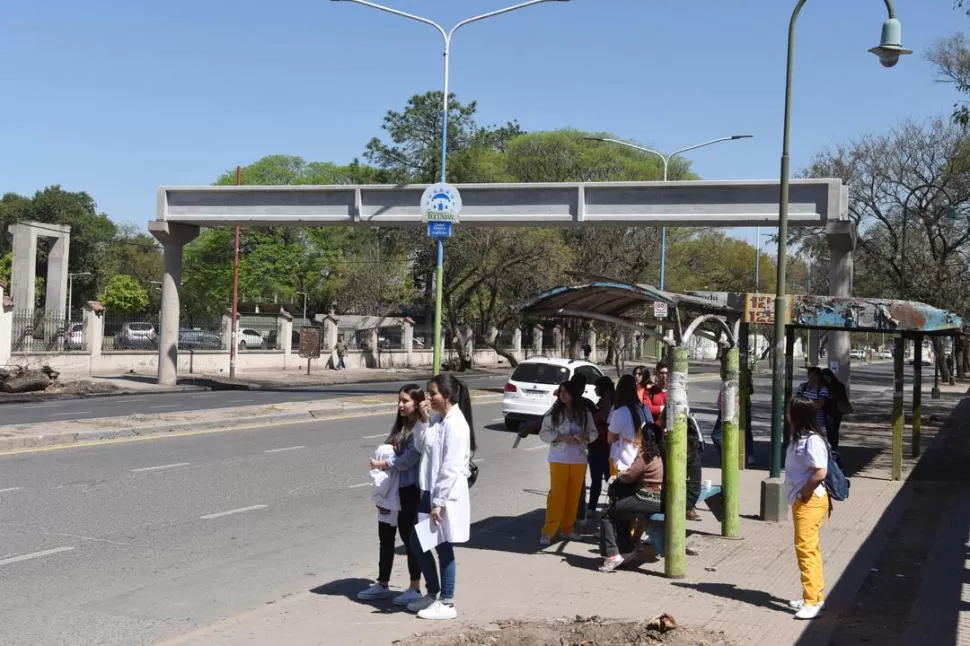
<point>620,142</point>
<point>497,12</point>
<point>397,12</point>
<point>708,143</point>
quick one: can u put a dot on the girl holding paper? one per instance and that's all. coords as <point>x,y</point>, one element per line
<point>444,510</point>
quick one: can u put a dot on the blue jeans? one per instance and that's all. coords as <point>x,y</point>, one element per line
<point>446,557</point>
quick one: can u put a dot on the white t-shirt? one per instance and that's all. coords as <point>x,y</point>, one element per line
<point>624,451</point>
<point>804,456</point>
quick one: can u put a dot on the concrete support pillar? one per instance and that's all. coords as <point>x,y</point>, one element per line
<point>841,236</point>
<point>23,272</point>
<point>284,335</point>
<point>492,335</point>
<point>591,340</point>
<point>173,237</point>
<point>93,318</point>
<point>537,339</point>
<point>517,340</point>
<point>6,325</point>
<point>331,335</point>
<point>407,339</point>
<point>55,303</point>
<point>226,327</point>
<point>557,340</point>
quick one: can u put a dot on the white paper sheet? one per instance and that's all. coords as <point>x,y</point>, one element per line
<point>429,534</point>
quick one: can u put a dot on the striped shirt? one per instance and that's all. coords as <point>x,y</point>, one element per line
<point>815,394</point>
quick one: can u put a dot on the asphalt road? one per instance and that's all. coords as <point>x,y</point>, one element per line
<point>134,542</point>
<point>147,403</point>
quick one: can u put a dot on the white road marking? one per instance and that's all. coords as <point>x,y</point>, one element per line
<point>164,406</point>
<point>161,466</point>
<point>372,437</point>
<point>85,538</point>
<point>239,401</point>
<point>537,448</point>
<point>34,555</point>
<point>136,399</point>
<point>285,448</point>
<point>232,511</point>
<point>9,489</point>
<point>71,413</point>
<point>358,486</point>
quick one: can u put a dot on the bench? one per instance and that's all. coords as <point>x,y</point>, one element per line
<point>655,537</point>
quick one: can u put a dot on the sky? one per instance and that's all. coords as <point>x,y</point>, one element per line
<point>116,98</point>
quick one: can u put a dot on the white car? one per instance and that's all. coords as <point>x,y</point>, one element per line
<point>529,391</point>
<point>252,339</point>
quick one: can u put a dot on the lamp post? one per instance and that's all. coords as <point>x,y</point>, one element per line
<point>446,36</point>
<point>304,294</point>
<point>666,166</point>
<point>888,51</point>
<point>757,261</point>
<point>70,290</point>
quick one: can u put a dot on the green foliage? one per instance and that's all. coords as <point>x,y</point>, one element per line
<point>6,267</point>
<point>711,261</point>
<point>123,293</point>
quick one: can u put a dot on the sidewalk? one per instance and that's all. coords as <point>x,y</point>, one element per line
<point>735,586</point>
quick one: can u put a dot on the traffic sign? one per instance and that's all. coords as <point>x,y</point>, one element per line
<point>441,203</point>
<point>659,310</point>
<point>439,229</point>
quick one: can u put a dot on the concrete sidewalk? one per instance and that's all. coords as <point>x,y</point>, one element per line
<point>739,587</point>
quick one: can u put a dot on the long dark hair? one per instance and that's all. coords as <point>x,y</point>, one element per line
<point>804,422</point>
<point>576,410</point>
<point>456,392</point>
<point>401,421</point>
<point>650,448</point>
<point>626,395</point>
<point>606,389</point>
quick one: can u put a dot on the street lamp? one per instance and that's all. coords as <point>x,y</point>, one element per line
<point>666,165</point>
<point>889,50</point>
<point>446,36</point>
<point>757,261</point>
<point>305,295</point>
<point>70,290</point>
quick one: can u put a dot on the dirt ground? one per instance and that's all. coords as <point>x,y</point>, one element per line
<point>581,631</point>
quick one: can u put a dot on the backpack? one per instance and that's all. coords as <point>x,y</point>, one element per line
<point>836,484</point>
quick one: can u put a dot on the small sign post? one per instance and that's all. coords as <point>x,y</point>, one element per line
<point>659,310</point>
<point>309,344</point>
<point>441,208</point>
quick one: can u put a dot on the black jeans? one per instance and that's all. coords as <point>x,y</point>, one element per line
<point>833,424</point>
<point>406,519</point>
<point>615,529</point>
<point>599,470</point>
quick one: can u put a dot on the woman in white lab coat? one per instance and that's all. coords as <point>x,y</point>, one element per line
<point>446,447</point>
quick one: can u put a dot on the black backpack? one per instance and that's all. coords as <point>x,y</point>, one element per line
<point>836,484</point>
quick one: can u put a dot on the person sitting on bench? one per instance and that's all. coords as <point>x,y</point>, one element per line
<point>635,493</point>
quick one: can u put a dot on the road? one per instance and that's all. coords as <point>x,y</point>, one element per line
<point>148,403</point>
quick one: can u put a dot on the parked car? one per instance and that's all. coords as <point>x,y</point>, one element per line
<point>194,339</point>
<point>857,353</point>
<point>885,354</point>
<point>272,340</point>
<point>529,391</point>
<point>250,338</point>
<point>74,336</point>
<point>134,336</point>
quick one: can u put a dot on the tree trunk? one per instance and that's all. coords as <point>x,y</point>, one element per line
<point>505,354</point>
<point>27,382</point>
<point>960,355</point>
<point>939,355</point>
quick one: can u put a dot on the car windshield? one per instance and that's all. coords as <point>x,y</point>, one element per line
<point>540,373</point>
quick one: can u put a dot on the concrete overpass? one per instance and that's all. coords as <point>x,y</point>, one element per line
<point>183,210</point>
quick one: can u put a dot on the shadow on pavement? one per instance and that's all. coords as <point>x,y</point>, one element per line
<point>744,595</point>
<point>515,534</point>
<point>346,588</point>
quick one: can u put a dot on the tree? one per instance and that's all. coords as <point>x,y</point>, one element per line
<point>711,261</point>
<point>951,56</point>
<point>915,178</point>
<point>131,252</point>
<point>124,294</point>
<point>6,267</point>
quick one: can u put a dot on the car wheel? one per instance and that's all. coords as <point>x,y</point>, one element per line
<point>511,424</point>
<point>242,345</point>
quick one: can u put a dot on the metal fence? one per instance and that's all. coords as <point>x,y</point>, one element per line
<point>259,332</point>
<point>124,331</point>
<point>40,331</point>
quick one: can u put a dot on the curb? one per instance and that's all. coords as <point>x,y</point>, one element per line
<point>94,436</point>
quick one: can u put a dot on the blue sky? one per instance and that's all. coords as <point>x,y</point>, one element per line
<point>117,97</point>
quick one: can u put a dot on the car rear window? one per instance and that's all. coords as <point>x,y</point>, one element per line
<point>140,327</point>
<point>540,373</point>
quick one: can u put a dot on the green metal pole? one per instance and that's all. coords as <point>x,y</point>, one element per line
<point>898,414</point>
<point>781,297</point>
<point>730,523</point>
<point>744,392</point>
<point>917,394</point>
<point>438,293</point>
<point>675,469</point>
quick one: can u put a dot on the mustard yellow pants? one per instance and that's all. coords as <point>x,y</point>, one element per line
<point>808,518</point>
<point>565,487</point>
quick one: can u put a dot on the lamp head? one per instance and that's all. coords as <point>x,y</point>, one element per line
<point>890,45</point>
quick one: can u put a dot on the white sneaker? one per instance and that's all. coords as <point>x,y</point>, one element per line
<point>797,604</point>
<point>407,597</point>
<point>544,541</point>
<point>438,610</point>
<point>374,592</point>
<point>611,563</point>
<point>420,604</point>
<point>808,611</point>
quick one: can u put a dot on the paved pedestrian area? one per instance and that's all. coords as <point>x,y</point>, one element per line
<point>739,587</point>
